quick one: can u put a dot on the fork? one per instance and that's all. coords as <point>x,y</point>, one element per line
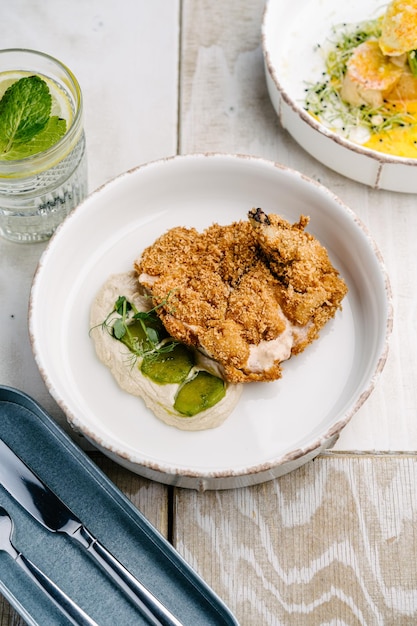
<point>73,612</point>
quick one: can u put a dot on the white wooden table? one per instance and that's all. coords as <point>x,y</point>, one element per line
<point>335,542</point>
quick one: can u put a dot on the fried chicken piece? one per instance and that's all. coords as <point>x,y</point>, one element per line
<point>311,289</point>
<point>249,294</point>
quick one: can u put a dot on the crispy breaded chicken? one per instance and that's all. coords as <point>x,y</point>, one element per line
<point>249,294</point>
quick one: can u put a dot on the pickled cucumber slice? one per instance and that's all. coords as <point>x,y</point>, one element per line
<point>136,339</point>
<point>198,394</point>
<point>168,367</point>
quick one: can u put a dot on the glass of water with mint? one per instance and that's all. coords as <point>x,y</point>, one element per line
<point>43,163</point>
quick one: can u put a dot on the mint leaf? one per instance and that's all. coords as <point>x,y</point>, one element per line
<point>53,131</point>
<point>25,110</point>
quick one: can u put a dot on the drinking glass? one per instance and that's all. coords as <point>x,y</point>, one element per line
<point>37,192</point>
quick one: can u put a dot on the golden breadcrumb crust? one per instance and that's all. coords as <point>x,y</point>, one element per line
<point>231,287</point>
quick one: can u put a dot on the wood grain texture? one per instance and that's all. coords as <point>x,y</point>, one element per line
<point>331,543</point>
<point>224,104</point>
<point>8,616</point>
<point>149,497</point>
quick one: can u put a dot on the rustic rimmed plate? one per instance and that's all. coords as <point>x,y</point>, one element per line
<point>290,35</point>
<point>275,426</point>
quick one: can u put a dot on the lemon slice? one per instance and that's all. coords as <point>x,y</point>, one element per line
<point>61,103</point>
<point>7,79</point>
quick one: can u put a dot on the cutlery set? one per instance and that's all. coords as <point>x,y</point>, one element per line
<point>49,510</point>
<point>74,613</point>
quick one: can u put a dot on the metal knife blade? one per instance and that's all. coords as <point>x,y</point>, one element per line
<point>48,509</point>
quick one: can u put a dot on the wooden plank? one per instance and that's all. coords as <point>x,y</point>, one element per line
<point>8,616</point>
<point>126,60</point>
<point>148,496</point>
<point>224,103</point>
<point>331,543</point>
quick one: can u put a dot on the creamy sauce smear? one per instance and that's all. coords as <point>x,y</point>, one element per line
<point>160,399</point>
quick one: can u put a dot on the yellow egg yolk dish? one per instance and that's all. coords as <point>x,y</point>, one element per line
<point>368,93</point>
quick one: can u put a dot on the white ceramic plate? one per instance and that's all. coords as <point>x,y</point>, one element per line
<point>290,34</point>
<point>276,426</point>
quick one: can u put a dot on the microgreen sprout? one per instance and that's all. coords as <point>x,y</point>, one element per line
<point>141,331</point>
<point>323,99</point>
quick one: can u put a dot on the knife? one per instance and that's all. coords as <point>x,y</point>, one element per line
<point>48,509</point>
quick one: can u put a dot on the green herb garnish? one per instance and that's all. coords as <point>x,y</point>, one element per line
<point>141,331</point>
<point>346,39</point>
<point>26,124</point>
<point>162,359</point>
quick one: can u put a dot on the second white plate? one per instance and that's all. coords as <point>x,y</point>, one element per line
<point>291,36</point>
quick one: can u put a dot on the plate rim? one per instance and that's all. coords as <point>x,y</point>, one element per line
<point>254,472</point>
